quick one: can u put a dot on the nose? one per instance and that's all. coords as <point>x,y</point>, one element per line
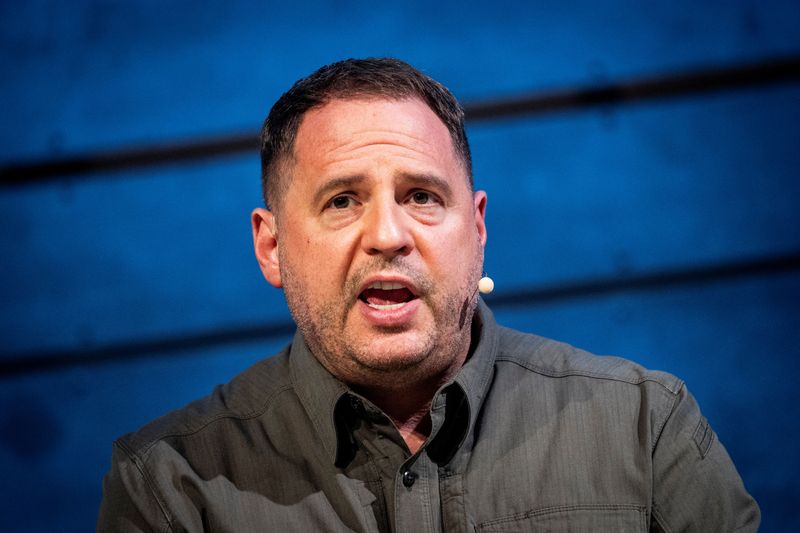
<point>386,230</point>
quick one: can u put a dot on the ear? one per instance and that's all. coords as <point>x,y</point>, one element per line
<point>479,204</point>
<point>265,242</point>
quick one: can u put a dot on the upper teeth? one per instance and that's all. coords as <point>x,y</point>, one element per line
<point>386,285</point>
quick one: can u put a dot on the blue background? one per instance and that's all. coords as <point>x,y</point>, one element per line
<point>159,253</point>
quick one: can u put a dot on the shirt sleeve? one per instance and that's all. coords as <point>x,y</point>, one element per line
<point>129,505</point>
<point>696,485</point>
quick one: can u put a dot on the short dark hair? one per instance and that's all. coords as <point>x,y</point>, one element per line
<point>352,78</point>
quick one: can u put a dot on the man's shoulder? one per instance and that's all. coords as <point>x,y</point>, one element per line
<point>246,396</point>
<point>554,359</point>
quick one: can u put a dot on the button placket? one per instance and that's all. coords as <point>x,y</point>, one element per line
<point>417,500</point>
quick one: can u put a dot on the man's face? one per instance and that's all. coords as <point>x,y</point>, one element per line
<point>378,242</point>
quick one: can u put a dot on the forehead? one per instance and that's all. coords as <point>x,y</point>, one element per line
<point>346,132</point>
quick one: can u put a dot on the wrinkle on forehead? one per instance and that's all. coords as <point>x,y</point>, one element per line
<point>345,130</point>
<point>377,138</point>
<point>389,153</point>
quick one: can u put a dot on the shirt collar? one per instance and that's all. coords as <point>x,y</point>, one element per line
<point>323,395</point>
<point>319,392</point>
<point>476,374</point>
<point>463,397</point>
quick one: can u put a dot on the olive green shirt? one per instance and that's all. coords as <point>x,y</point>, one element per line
<point>530,435</point>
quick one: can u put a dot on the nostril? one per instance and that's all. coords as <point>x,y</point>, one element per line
<point>386,232</point>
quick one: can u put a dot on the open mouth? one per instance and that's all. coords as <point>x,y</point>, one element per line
<point>386,295</point>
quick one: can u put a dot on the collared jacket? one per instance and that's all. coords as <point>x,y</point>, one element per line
<point>530,435</point>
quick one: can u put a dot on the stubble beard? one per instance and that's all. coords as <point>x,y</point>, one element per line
<point>433,354</point>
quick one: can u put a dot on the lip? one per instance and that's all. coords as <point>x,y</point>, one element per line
<point>402,280</point>
<point>389,318</point>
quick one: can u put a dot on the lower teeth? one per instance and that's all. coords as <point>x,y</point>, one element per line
<point>384,307</point>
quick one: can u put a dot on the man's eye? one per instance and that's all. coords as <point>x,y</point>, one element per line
<point>341,202</point>
<point>421,197</point>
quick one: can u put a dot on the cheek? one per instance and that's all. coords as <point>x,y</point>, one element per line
<point>460,240</point>
<point>323,257</point>
<point>302,245</point>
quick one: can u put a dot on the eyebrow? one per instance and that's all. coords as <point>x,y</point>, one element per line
<point>420,180</point>
<point>428,180</point>
<point>336,183</point>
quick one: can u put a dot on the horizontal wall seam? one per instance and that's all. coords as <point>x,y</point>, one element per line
<point>768,72</point>
<point>26,363</point>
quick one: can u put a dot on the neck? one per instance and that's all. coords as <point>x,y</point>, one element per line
<point>408,409</point>
<point>415,431</point>
<point>407,401</point>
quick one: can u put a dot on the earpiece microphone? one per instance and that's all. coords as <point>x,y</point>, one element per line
<point>486,285</point>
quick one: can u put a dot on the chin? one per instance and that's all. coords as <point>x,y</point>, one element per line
<point>394,353</point>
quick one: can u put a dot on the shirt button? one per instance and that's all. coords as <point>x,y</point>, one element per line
<point>409,478</point>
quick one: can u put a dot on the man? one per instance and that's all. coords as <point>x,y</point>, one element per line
<point>400,405</point>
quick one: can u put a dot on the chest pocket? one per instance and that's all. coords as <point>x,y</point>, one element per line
<point>573,519</point>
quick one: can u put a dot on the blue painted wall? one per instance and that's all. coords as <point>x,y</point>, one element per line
<point>164,252</point>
